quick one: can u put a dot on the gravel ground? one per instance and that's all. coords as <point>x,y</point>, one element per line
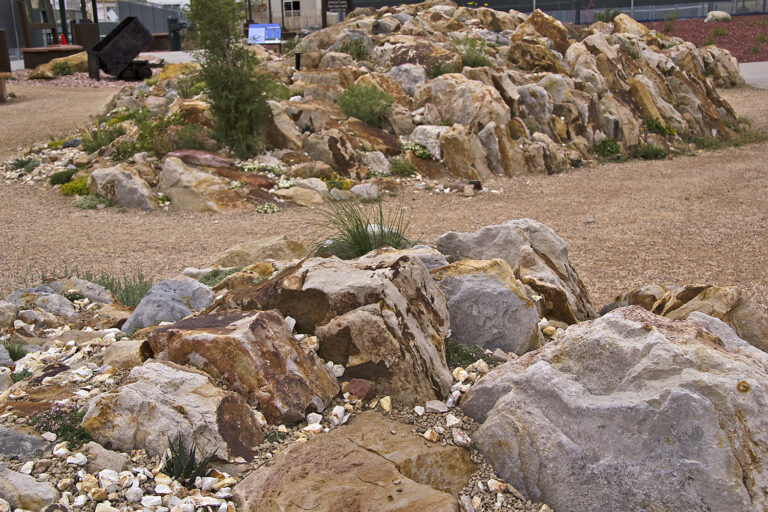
<point>693,219</point>
<point>746,37</point>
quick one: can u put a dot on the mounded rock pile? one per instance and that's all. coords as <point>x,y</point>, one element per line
<point>323,383</point>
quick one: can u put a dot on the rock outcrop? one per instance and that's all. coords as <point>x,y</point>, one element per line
<point>626,410</point>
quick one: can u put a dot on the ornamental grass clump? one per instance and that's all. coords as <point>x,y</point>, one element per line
<point>356,229</point>
<point>368,103</point>
<point>182,464</point>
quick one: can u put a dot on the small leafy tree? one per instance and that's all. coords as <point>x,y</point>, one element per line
<point>236,91</point>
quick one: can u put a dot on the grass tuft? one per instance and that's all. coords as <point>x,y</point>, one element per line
<point>650,152</point>
<point>216,275</point>
<point>460,355</point>
<point>182,464</point>
<point>15,350</point>
<point>20,375</point>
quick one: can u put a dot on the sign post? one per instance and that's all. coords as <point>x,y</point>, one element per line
<point>267,33</point>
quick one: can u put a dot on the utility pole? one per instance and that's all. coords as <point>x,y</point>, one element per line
<point>63,11</point>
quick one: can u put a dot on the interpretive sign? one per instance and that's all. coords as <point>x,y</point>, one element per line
<point>268,33</point>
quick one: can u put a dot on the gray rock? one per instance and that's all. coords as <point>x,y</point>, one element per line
<point>429,256</point>
<point>7,314</point>
<point>429,137</point>
<point>22,444</point>
<point>376,161</point>
<point>121,186</point>
<point>489,307</point>
<point>537,255</point>
<point>409,76</point>
<point>5,358</point>
<point>168,301</point>
<point>38,317</point>
<point>23,491</point>
<point>366,191</point>
<point>89,290</point>
<point>332,60</point>
<point>100,458</point>
<point>351,35</point>
<point>45,298</point>
<point>623,412</point>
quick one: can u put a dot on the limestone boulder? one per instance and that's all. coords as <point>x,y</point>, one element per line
<point>372,465</point>
<point>17,442</point>
<point>488,306</point>
<point>727,303</point>
<point>332,60</point>
<point>461,100</point>
<point>370,138</point>
<point>381,316</point>
<point>7,314</point>
<point>43,297</point>
<point>75,286</point>
<point>192,111</point>
<point>99,458</point>
<point>387,84</point>
<point>283,132</point>
<point>78,62</point>
<point>504,156</point>
<point>121,186</point>
<point>534,54</point>
<point>25,492</point>
<point>717,16</point>
<point>624,411</point>
<point>544,25</point>
<point>278,247</point>
<point>300,196</point>
<point>159,401</point>
<point>255,354</point>
<point>109,316</point>
<point>409,76</point>
<point>429,137</point>
<point>126,354</point>
<point>334,148</point>
<point>538,257</point>
<point>463,153</point>
<point>168,301</point>
<point>192,189</point>
<point>721,66</point>
<point>623,24</point>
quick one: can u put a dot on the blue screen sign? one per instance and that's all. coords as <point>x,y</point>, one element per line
<point>268,33</point>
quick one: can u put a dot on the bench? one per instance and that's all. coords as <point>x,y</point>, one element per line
<point>33,57</point>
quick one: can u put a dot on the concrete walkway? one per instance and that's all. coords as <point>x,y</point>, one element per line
<point>755,74</point>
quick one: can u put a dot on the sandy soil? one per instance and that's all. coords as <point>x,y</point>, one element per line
<point>43,112</point>
<point>697,219</point>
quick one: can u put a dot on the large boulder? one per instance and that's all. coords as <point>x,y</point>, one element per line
<point>43,297</point>
<point>463,153</point>
<point>7,314</point>
<point>78,62</point>
<point>623,412</point>
<point>160,401</point>
<point>278,247</point>
<point>726,303</point>
<point>538,257</point>
<point>624,24</point>
<point>257,357</point>
<point>19,443</point>
<point>372,465</point>
<point>463,101</point>
<point>192,189</point>
<point>91,291</point>
<point>168,301</point>
<point>25,492</point>
<point>382,316</point>
<point>488,306</point>
<point>409,76</point>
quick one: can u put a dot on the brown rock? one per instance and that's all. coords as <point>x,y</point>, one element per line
<point>386,84</point>
<point>360,387</point>
<point>546,26</point>
<point>369,138</point>
<point>624,24</point>
<point>278,247</point>
<point>193,111</point>
<point>256,355</point>
<point>463,153</point>
<point>127,353</point>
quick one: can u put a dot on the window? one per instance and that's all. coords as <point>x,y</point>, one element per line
<point>292,8</point>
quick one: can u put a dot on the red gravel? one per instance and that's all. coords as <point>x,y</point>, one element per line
<point>21,77</point>
<point>743,35</point>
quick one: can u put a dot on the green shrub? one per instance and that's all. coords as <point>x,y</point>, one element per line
<point>607,15</point>
<point>99,136</point>
<point>20,375</point>
<point>368,103</point>
<point>78,187</point>
<point>650,152</point>
<point>235,91</point>
<point>161,135</point>
<point>755,49</point>
<point>62,177</point>
<point>608,148</point>
<point>91,202</point>
<point>655,126</point>
<point>64,421</point>
<point>15,350</point>
<point>708,41</point>
<point>290,46</point>
<point>337,181</point>
<point>21,163</point>
<point>356,229</point>
<point>181,464</point>
<point>473,52</point>
<point>669,20</point>
<point>459,355</point>
<point>356,48</point>
<point>420,150</point>
<point>760,39</point>
<point>128,291</point>
<point>441,68</point>
<point>400,166</point>
<point>719,32</point>
<point>61,68</point>
<point>216,275</point>
<point>189,86</point>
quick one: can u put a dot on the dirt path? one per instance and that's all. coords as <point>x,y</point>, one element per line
<point>42,113</point>
<point>697,219</point>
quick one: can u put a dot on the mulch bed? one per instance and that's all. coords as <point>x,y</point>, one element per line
<point>746,37</point>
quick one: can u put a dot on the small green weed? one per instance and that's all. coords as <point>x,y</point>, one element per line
<point>128,291</point>
<point>708,41</point>
<point>181,464</point>
<point>368,103</point>
<point>719,32</point>
<point>420,150</point>
<point>608,148</point>
<point>99,136</point>
<point>64,421</point>
<point>631,50</point>
<point>21,163</point>
<point>400,166</point>
<point>62,68</point>
<point>356,229</point>
<point>290,46</point>
<point>607,15</point>
<point>755,49</point>
<point>91,202</point>
<point>78,187</point>
<point>216,275</point>
<point>745,135</point>
<point>669,20</point>
<point>459,355</point>
<point>275,437</point>
<point>655,126</point>
<point>15,350</point>
<point>356,48</point>
<point>62,177</point>
<point>650,152</point>
<point>20,375</point>
<point>441,68</point>
<point>189,86</point>
<point>473,52</point>
<point>760,39</point>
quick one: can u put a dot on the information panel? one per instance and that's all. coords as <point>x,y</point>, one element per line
<point>268,33</point>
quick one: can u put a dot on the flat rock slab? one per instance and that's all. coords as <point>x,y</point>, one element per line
<point>347,469</point>
<point>20,443</point>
